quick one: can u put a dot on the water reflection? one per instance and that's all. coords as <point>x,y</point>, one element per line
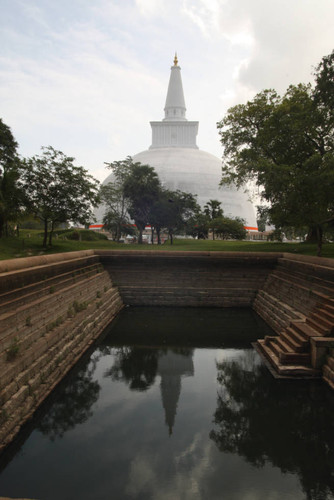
<point>136,366</point>
<point>74,407</point>
<point>286,423</point>
<point>134,419</point>
<point>172,366</point>
<point>139,366</point>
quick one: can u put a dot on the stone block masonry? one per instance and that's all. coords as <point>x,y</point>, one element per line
<point>188,279</point>
<point>51,310</point>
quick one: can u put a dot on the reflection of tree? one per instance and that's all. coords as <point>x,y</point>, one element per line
<point>287,423</point>
<point>73,403</point>
<point>137,366</point>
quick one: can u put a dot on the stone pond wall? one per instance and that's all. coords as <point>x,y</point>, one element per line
<point>53,307</point>
<point>188,279</point>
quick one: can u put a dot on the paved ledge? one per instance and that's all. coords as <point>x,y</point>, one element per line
<point>309,259</point>
<point>175,254</point>
<point>41,260</point>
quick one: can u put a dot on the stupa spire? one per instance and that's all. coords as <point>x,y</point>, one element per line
<point>175,108</point>
<point>174,131</point>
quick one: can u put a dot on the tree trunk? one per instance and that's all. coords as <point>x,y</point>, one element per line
<point>140,237</point>
<point>51,233</point>
<point>314,235</point>
<point>152,235</point>
<point>158,235</point>
<point>118,232</point>
<point>2,222</point>
<point>319,241</point>
<point>45,232</point>
<point>171,237</point>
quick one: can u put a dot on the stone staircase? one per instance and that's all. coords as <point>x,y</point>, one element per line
<point>297,302</point>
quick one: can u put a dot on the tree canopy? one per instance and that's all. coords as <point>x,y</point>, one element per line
<point>57,191</point>
<point>212,209</point>
<point>140,186</point>
<point>116,217</point>
<point>11,196</point>
<point>286,145</point>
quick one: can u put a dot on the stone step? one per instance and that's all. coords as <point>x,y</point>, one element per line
<point>307,268</point>
<point>330,362</point>
<point>317,323</point>
<point>328,373</point>
<point>285,353</point>
<point>326,314</point>
<point>306,280</point>
<point>18,279</point>
<point>278,305</point>
<point>288,290</point>
<point>295,358</point>
<point>295,340</point>
<point>283,345</point>
<point>18,297</point>
<point>318,317</point>
<point>328,307</point>
<point>305,329</point>
<point>284,370</point>
<point>329,382</point>
<point>273,346</point>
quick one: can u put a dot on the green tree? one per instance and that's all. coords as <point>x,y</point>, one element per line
<point>198,226</point>
<point>160,213</point>
<point>213,210</point>
<point>179,212</point>
<point>57,191</point>
<point>141,188</point>
<point>228,228</point>
<point>285,144</point>
<point>116,217</point>
<point>11,195</point>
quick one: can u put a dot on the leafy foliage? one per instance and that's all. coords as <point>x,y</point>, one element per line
<point>173,211</point>
<point>212,210</point>
<point>116,218</point>
<point>228,228</point>
<point>11,195</point>
<point>141,189</point>
<point>57,191</point>
<point>286,144</point>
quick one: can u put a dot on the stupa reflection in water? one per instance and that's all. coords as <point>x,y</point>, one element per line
<point>172,366</point>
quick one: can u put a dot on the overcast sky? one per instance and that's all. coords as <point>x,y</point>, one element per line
<point>87,76</point>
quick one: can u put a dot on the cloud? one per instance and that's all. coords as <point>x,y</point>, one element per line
<point>87,77</point>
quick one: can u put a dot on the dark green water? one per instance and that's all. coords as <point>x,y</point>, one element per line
<point>175,404</point>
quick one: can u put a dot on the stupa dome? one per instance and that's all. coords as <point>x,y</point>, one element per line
<point>198,172</point>
<point>181,165</point>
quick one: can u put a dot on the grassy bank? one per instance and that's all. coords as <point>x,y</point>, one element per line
<point>30,243</point>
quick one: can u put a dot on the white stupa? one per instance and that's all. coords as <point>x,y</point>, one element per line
<point>179,163</point>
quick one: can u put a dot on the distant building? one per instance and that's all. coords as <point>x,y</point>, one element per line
<point>181,165</point>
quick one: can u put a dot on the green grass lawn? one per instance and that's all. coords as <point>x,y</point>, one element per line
<point>30,243</point>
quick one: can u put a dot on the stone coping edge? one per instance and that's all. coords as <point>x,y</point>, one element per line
<point>20,263</point>
<point>17,264</point>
